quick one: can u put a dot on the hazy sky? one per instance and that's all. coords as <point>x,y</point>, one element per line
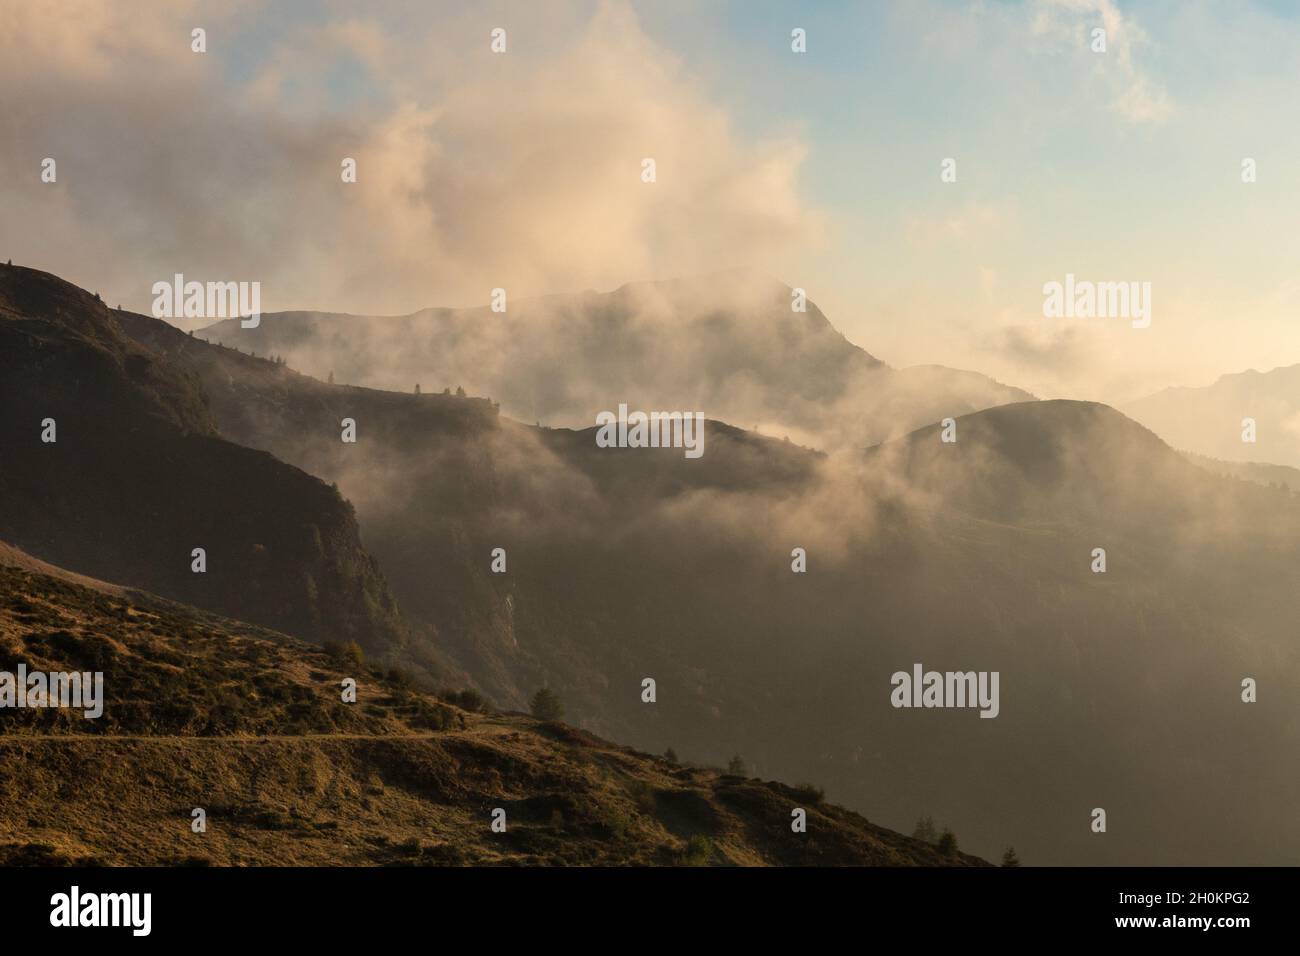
<point>522,170</point>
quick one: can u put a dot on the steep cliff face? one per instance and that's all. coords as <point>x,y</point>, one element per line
<point>111,465</point>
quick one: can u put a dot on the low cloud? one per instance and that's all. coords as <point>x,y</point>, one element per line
<point>520,170</point>
<point>1059,350</point>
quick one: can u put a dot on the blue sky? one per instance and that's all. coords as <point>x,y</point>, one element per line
<point>1065,182</point>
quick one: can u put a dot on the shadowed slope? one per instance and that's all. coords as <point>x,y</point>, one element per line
<point>137,478</point>
<point>248,724</point>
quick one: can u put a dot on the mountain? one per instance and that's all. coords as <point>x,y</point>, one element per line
<point>1209,420</point>
<point>440,480</point>
<point>1120,689</point>
<point>249,725</point>
<point>726,344</point>
<point>1281,476</point>
<point>135,477</point>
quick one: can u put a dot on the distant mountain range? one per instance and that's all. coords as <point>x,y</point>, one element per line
<point>728,344</point>
<point>1209,420</point>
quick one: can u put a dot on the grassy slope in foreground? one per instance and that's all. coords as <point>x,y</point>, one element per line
<point>206,712</point>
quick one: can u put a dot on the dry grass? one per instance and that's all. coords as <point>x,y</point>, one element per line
<point>247,724</point>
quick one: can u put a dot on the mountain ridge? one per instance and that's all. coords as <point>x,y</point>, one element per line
<point>726,344</point>
<point>135,477</point>
<point>1211,420</point>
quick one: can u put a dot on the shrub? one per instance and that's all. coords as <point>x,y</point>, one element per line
<point>1009,858</point>
<point>613,822</point>
<point>809,793</point>
<point>345,654</point>
<point>434,716</point>
<point>736,767</point>
<point>699,851</point>
<point>925,830</point>
<point>467,699</point>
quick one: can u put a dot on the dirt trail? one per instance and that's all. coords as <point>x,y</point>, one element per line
<point>486,726</point>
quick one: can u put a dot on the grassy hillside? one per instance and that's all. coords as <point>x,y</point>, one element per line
<point>248,724</point>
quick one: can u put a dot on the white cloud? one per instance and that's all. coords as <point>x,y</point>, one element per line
<point>1136,97</point>
<point>474,171</point>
